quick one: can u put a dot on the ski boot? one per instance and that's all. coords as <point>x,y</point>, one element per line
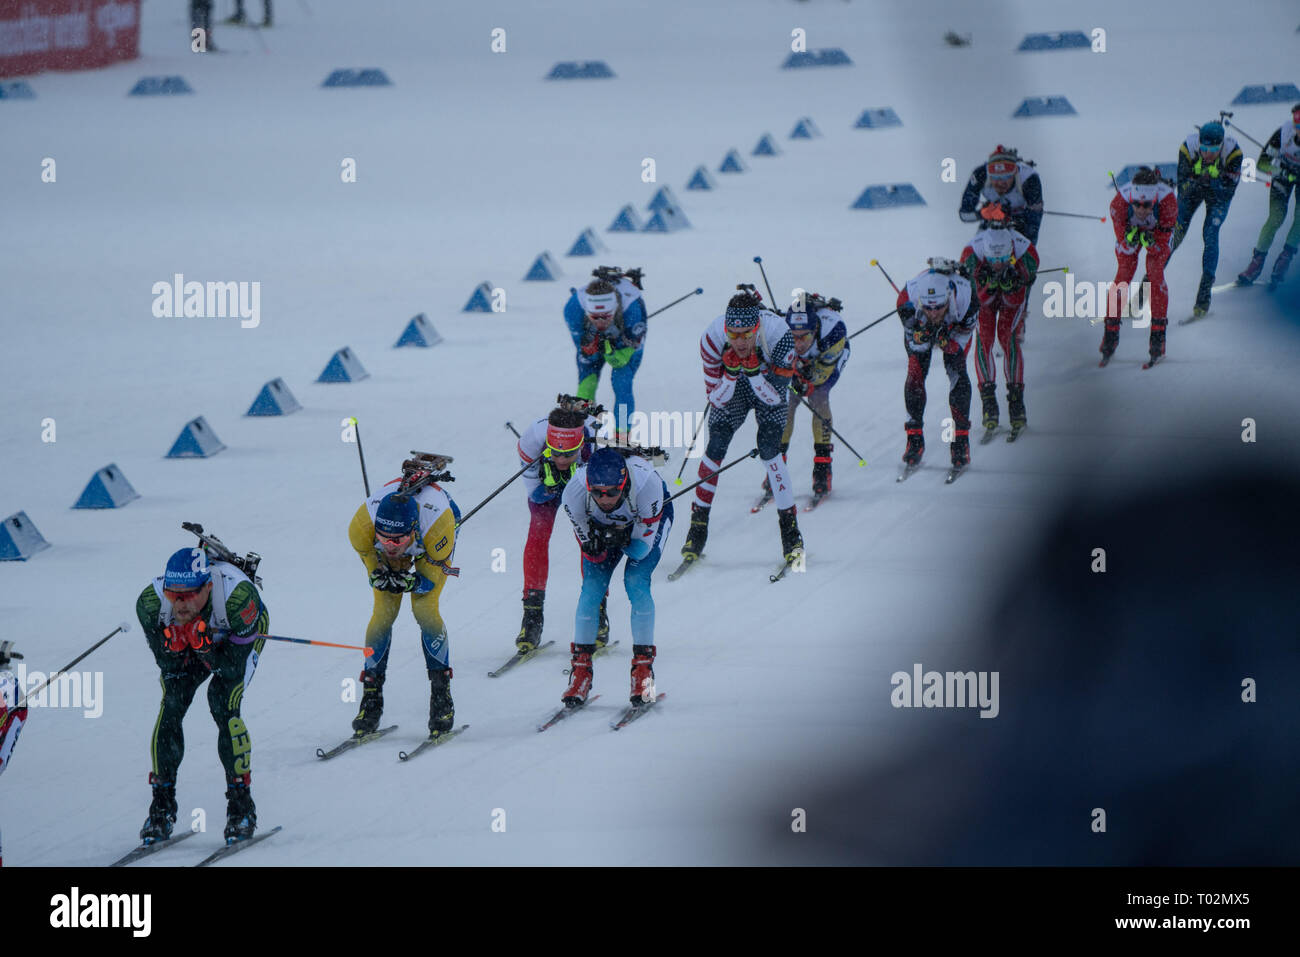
<point>372,703</point>
<point>989,399</point>
<point>1157,344</point>
<point>643,674</point>
<point>602,626</point>
<point>961,448</point>
<point>915,446</point>
<point>530,632</point>
<point>791,540</point>
<point>697,534</point>
<point>1251,272</point>
<point>1016,405</point>
<point>241,813</point>
<point>442,712</point>
<point>1202,305</point>
<point>1280,266</point>
<point>162,812</point>
<point>821,476</point>
<point>579,676</point>
<point>1109,340</point>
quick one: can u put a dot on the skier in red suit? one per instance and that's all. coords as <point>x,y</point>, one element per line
<point>1143,213</point>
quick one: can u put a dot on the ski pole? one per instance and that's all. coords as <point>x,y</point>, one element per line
<point>703,415</point>
<point>356,430</point>
<point>1225,116</point>
<point>771,298</point>
<point>1052,212</point>
<point>697,292</point>
<point>513,429</point>
<point>885,274</point>
<point>875,323</point>
<point>1053,269</point>
<point>804,400</point>
<point>323,644</point>
<point>748,455</point>
<point>123,627</point>
<point>465,518</point>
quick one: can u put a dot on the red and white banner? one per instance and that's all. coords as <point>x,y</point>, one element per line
<point>38,35</point>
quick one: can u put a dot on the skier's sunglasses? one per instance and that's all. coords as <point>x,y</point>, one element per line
<point>394,541</point>
<point>1145,203</point>
<point>175,595</point>
<point>734,334</point>
<point>607,491</point>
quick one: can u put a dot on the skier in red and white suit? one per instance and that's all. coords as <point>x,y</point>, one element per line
<point>1001,264</point>
<point>11,717</point>
<point>1143,213</point>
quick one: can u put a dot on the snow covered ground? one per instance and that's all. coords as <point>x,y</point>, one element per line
<point>468,167</point>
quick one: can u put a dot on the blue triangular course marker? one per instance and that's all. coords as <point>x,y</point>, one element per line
<point>731,163</point>
<point>875,119</point>
<point>160,86</point>
<point>543,269</point>
<point>274,399</point>
<point>368,77</point>
<point>419,332</point>
<point>196,441</point>
<point>19,539</point>
<point>766,147</point>
<point>344,366</point>
<point>627,221</point>
<point>108,488</point>
<point>700,179</point>
<point>805,129</point>
<point>1278,93</point>
<point>1168,171</point>
<point>669,219</point>
<point>885,196</point>
<point>1071,40</point>
<point>573,70</point>
<point>587,244</point>
<point>481,301</point>
<point>664,197</point>
<point>1045,106</point>
<point>17,90</point>
<point>830,56</point>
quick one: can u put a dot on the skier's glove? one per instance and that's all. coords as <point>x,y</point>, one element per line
<point>593,548</point>
<point>544,495</point>
<point>721,393</point>
<point>765,391</point>
<point>617,358</point>
<point>590,344</point>
<point>615,537</point>
<point>1125,249</point>
<point>906,311</point>
<point>388,579</point>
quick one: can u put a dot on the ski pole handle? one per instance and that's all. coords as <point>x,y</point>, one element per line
<point>513,429</point>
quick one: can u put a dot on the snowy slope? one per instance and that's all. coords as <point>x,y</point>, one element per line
<point>468,167</point>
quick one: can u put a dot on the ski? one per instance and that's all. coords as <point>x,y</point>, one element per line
<point>1152,361</point>
<point>354,741</point>
<point>144,850</point>
<point>564,712</point>
<point>634,711</point>
<point>1015,432</point>
<point>682,568</point>
<point>816,500</point>
<point>954,472</point>
<point>1104,361</point>
<point>785,567</point>
<point>602,649</point>
<point>1192,318</point>
<point>908,471</point>
<point>518,658</point>
<point>987,437</point>
<point>236,846</point>
<point>759,505</point>
<point>430,742</point>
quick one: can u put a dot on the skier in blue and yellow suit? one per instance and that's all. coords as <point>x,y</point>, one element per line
<point>406,544</point>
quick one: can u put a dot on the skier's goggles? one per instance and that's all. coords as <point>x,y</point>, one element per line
<point>1211,147</point>
<point>174,594</point>
<point>394,541</point>
<point>734,334</point>
<point>1147,203</point>
<point>564,453</point>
